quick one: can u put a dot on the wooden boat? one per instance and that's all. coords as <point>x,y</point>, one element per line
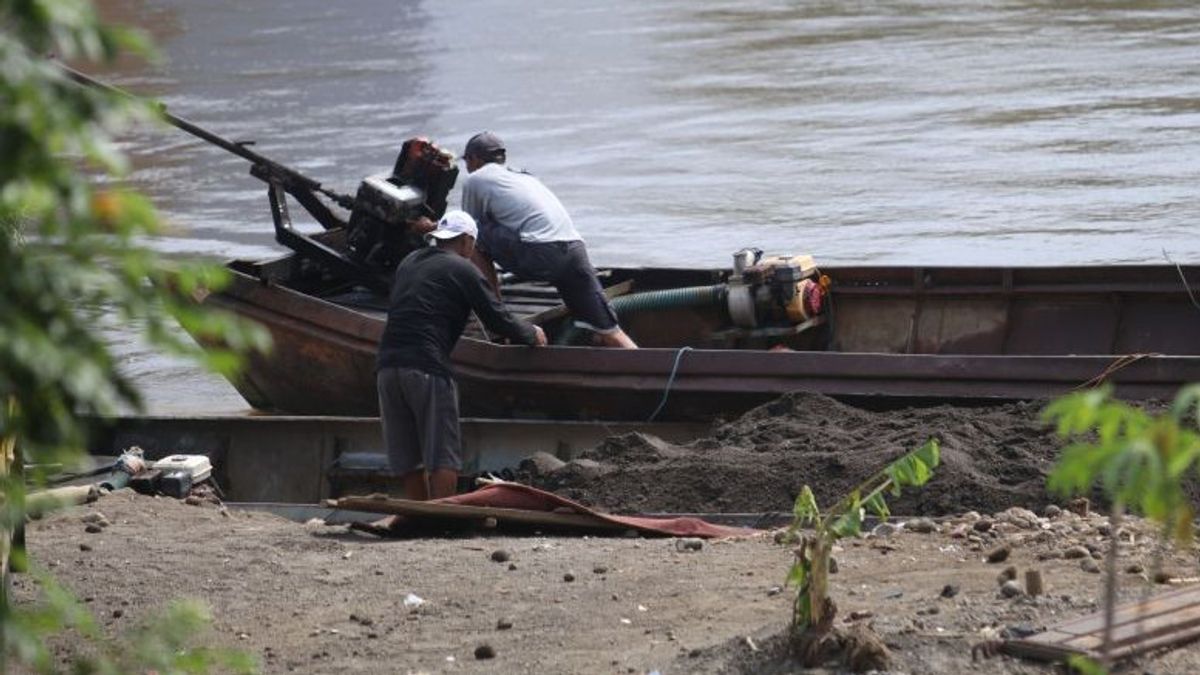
<point>891,335</point>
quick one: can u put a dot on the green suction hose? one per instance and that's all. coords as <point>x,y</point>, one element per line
<point>649,301</point>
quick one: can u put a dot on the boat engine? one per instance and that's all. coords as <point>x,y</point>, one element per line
<point>776,290</point>
<point>380,232</point>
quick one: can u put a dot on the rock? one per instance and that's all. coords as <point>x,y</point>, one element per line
<point>585,469</point>
<point>1052,511</point>
<point>500,555</point>
<point>1163,577</point>
<point>949,591</point>
<point>1019,517</point>
<point>689,544</point>
<point>193,500</point>
<point>85,547</point>
<point>485,651</point>
<point>921,525</point>
<point>93,528</point>
<point>1008,574</point>
<point>1033,583</point>
<point>512,566</point>
<point>998,555</point>
<point>833,565</point>
<point>1134,568</point>
<point>541,464</point>
<point>1079,506</point>
<point>1011,589</point>
<point>1089,565</point>
<point>118,613</point>
<point>959,531</point>
<point>362,619</point>
<point>1104,530</point>
<point>774,590</point>
<point>982,525</point>
<point>884,530</point>
<point>599,569</point>
<point>95,517</point>
<point>1018,631</point>
<point>971,516</point>
<point>1076,552</point>
<point>504,623</point>
<point>569,577</point>
<point>859,615</point>
<point>864,650</point>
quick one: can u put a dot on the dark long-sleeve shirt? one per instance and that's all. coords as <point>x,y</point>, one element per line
<point>432,296</point>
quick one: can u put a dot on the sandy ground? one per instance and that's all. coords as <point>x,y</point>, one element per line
<point>317,599</point>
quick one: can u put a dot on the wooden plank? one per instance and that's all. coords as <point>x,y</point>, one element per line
<point>1158,604</point>
<point>1161,642</point>
<point>407,507</point>
<point>1134,631</point>
<point>1165,620</point>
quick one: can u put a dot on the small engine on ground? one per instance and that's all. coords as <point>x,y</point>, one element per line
<point>380,232</point>
<point>773,291</point>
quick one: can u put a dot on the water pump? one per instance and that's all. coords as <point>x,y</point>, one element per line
<point>776,290</point>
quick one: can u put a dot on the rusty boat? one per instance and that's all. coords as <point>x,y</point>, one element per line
<point>897,334</point>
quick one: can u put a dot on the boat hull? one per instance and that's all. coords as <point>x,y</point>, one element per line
<point>1096,325</point>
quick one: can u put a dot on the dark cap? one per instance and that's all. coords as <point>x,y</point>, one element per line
<point>484,145</point>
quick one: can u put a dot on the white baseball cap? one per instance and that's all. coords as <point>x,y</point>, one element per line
<point>453,224</point>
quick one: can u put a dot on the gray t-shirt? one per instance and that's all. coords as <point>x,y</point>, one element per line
<point>498,196</point>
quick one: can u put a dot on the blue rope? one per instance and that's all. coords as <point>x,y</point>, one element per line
<point>670,381</point>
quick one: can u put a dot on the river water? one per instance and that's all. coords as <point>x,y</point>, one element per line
<point>974,132</point>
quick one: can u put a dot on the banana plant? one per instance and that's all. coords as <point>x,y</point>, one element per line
<point>813,611</point>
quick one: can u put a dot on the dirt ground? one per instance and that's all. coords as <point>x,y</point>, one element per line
<point>318,599</point>
<point>314,598</point>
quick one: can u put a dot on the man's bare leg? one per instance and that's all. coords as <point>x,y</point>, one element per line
<point>416,486</point>
<point>617,338</point>
<point>443,483</point>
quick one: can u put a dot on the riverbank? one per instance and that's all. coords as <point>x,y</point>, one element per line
<point>315,599</point>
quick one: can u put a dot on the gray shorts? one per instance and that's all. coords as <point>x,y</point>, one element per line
<point>420,419</point>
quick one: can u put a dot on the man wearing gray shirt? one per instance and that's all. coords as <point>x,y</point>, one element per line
<point>525,229</point>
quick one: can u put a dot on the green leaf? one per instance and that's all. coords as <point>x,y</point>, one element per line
<point>848,524</point>
<point>805,510</point>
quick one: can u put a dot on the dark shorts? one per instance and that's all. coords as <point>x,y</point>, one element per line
<point>420,419</point>
<point>565,264</point>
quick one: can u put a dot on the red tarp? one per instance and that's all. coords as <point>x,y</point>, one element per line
<point>526,498</point>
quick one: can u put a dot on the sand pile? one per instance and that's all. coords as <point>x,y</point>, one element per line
<point>992,458</point>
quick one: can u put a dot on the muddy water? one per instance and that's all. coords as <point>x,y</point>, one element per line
<point>971,132</point>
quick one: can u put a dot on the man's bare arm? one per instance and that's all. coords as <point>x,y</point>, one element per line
<point>485,265</point>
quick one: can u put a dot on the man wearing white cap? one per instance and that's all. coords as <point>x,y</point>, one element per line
<point>434,292</point>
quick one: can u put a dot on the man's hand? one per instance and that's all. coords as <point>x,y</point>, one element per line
<point>422,225</point>
<point>539,339</point>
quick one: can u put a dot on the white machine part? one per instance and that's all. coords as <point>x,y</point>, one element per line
<point>772,289</point>
<point>198,466</point>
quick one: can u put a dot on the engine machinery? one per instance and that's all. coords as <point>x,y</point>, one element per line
<point>773,291</point>
<point>380,231</point>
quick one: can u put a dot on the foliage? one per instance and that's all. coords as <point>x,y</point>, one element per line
<point>1082,665</point>
<point>809,572</point>
<point>160,644</point>
<point>69,254</point>
<point>1138,459</point>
